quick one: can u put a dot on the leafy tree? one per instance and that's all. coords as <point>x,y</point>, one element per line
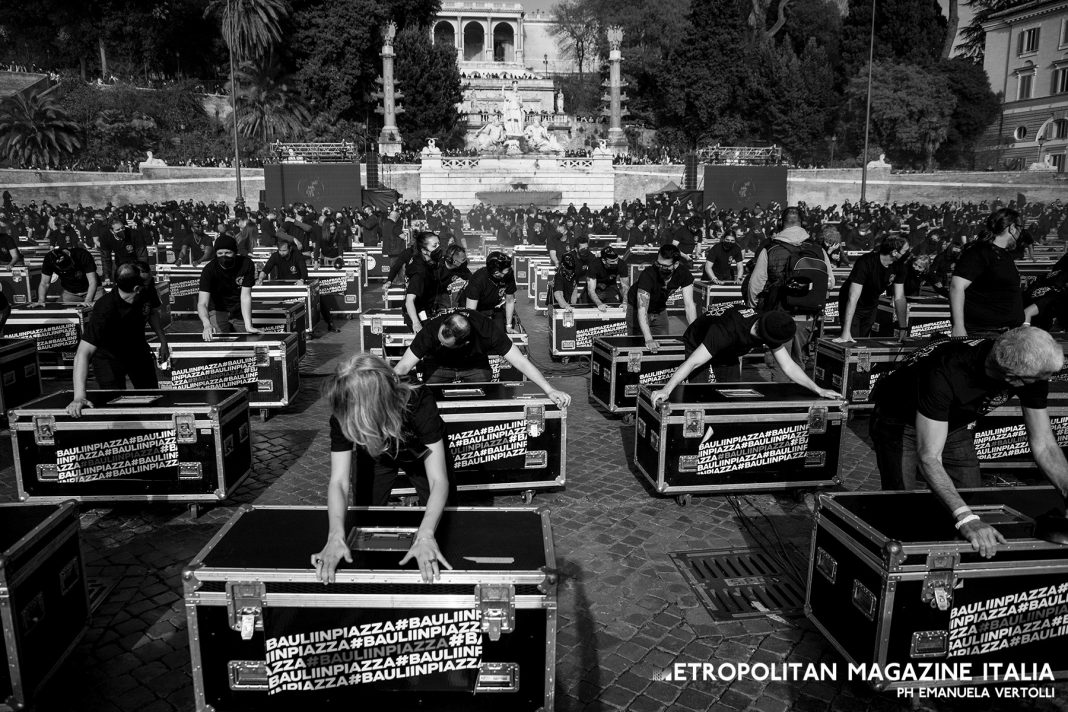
<point>430,79</point>
<point>973,37</point>
<point>35,132</point>
<point>977,107</point>
<point>701,79</point>
<point>816,20</point>
<point>910,110</point>
<point>576,30</point>
<point>269,107</point>
<point>909,31</point>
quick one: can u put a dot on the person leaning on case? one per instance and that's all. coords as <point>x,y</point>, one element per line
<point>723,340</point>
<point>925,411</point>
<point>457,346</point>
<point>114,338</point>
<point>647,298</point>
<point>389,424</point>
<point>226,288</point>
<point>75,270</point>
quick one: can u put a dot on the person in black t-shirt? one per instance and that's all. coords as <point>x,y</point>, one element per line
<point>123,244</point>
<point>648,296</point>
<point>452,280</point>
<point>723,339</point>
<point>925,409</point>
<point>10,255</point>
<point>723,261</point>
<point>605,279</point>
<point>114,339</point>
<point>225,301</point>
<point>75,270</point>
<point>567,289</point>
<point>985,296</point>
<point>422,288</point>
<point>390,424</point>
<point>491,290</point>
<point>557,245</point>
<point>457,346</point>
<point>869,279</point>
<point>285,263</point>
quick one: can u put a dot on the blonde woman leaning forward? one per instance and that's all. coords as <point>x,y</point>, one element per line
<point>389,424</point>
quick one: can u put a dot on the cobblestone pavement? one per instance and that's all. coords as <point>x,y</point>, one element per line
<point>626,614</point>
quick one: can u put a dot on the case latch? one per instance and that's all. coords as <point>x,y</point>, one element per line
<point>376,325</point>
<point>863,360</point>
<point>244,605</point>
<point>497,677</point>
<point>496,602</point>
<point>634,362</point>
<point>44,430</point>
<point>569,318</point>
<point>693,423</point>
<point>938,589</point>
<point>185,428</point>
<point>534,414</point>
<point>817,420</point>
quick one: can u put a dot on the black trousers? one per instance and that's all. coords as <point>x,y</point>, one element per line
<point>372,482</point>
<point>111,373</point>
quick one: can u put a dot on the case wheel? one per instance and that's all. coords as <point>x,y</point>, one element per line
<point>528,496</point>
<point>265,414</point>
<point>628,419</point>
<point>565,360</point>
<point>683,499</point>
<point>194,511</point>
<point>410,500</point>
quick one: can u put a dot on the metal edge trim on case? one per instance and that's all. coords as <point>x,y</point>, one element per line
<point>847,541</point>
<point>550,658</point>
<point>52,521</point>
<point>7,624</point>
<point>198,560</point>
<point>811,563</point>
<point>748,487</point>
<point>196,659</point>
<point>354,600</point>
<point>56,539</point>
<point>886,620</point>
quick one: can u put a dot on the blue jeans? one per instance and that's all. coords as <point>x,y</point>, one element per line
<point>445,374</point>
<point>899,462</point>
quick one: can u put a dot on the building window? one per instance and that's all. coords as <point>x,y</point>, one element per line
<point>1020,134</point>
<point>1027,42</point>
<point>1058,162</point>
<point>1064,33</point>
<point>1060,129</point>
<point>1025,83</point>
<point>1060,80</point>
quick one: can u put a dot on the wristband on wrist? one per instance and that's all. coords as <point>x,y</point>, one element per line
<point>966,520</point>
<point>960,510</point>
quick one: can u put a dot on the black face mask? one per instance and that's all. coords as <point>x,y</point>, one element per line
<point>226,262</point>
<point>434,255</point>
<point>665,272</point>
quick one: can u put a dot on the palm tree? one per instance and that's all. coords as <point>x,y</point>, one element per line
<point>270,107</point>
<point>250,28</point>
<point>35,132</point>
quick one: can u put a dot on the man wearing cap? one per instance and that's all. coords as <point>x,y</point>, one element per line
<point>225,301</point>
<point>723,339</point>
<point>75,270</point>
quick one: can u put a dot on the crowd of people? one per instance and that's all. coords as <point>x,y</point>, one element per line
<point>460,317</point>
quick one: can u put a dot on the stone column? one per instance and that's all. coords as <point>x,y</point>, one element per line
<point>389,140</point>
<point>617,141</point>
<point>488,54</point>
<point>519,40</point>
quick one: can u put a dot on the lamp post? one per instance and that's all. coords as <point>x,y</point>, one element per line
<point>867,112</point>
<point>1041,140</point>
<point>545,60</point>
<point>233,99</point>
<point>834,145</point>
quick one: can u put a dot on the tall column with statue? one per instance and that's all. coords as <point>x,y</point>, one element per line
<point>389,140</point>
<point>617,140</point>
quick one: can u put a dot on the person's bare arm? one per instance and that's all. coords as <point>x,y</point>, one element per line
<point>797,374</point>
<point>82,357</point>
<point>337,502</point>
<point>413,313</point>
<point>851,309</point>
<point>689,306</point>
<point>203,299</point>
<point>528,369</point>
<point>643,320</point>
<point>696,360</point>
<point>408,361</point>
<point>425,547</point>
<point>957,288</point>
<point>930,442</point>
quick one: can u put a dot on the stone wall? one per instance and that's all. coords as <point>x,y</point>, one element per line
<point>834,186</point>
<point>154,185</point>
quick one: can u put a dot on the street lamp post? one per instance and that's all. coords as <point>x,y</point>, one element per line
<point>233,99</point>
<point>546,61</point>
<point>1041,140</point>
<point>834,145</point>
<point>867,112</point>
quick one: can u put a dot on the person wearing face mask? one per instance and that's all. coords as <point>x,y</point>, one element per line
<point>567,290</point>
<point>871,276</point>
<point>225,301</point>
<point>457,346</point>
<point>123,244</point>
<point>422,287</point>
<point>75,270</point>
<point>491,290</point>
<point>723,261</point>
<point>985,296</point>
<point>285,263</point>
<point>648,296</point>
<point>114,339</point>
<point>605,280</point>
<point>452,279</point>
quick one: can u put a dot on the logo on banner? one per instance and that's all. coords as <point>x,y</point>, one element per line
<point>113,459</point>
<point>1011,440</point>
<point>53,336</point>
<point>488,444</point>
<point>584,337</point>
<point>223,374</point>
<point>716,457</point>
<point>373,652</point>
<point>1009,621</point>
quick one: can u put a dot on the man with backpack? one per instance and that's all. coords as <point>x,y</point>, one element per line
<point>792,272</point>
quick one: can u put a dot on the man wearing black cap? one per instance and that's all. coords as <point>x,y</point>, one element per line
<point>723,339</point>
<point>491,290</point>
<point>75,270</point>
<point>225,302</point>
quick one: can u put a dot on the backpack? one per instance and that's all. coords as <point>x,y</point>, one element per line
<point>802,286</point>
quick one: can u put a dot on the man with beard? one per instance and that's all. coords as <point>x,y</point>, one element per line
<point>75,270</point>
<point>225,301</point>
<point>647,298</point>
<point>286,263</point>
<point>491,290</point>
<point>453,277</point>
<point>606,278</point>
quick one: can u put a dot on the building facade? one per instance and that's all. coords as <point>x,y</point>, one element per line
<point>1027,65</point>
